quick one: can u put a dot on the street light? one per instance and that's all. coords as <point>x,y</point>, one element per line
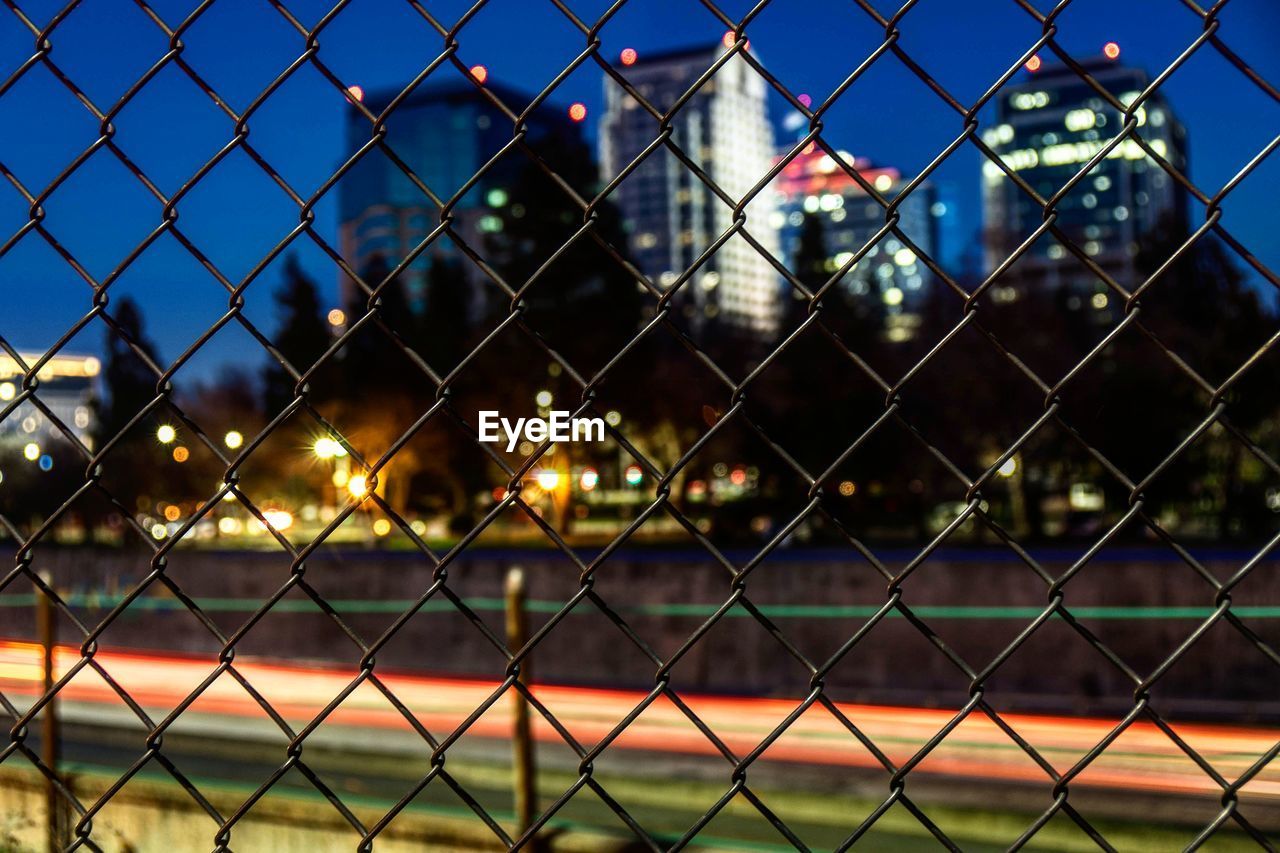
<point>548,479</point>
<point>327,448</point>
<point>279,519</point>
<point>166,434</point>
<point>358,486</point>
<point>233,439</point>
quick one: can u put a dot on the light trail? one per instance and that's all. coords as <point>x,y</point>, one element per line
<point>1142,758</point>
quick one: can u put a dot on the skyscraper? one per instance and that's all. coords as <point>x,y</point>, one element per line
<point>444,134</point>
<point>1050,125</point>
<point>814,185</point>
<point>68,386</point>
<point>672,215</point>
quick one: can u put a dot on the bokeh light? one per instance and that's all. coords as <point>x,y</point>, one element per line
<point>358,485</point>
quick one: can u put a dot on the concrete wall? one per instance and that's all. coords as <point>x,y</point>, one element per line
<point>1222,675</point>
<point>150,817</point>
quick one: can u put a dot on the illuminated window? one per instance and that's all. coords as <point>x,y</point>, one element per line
<point>1029,100</point>
<point>1080,119</point>
<point>998,135</point>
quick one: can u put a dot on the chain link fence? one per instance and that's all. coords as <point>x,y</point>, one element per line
<point>518,334</point>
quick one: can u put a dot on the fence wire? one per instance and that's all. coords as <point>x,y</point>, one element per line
<point>966,315</point>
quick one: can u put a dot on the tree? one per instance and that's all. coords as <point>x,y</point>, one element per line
<point>129,377</point>
<point>373,359</point>
<point>301,340</point>
<point>1204,310</point>
<point>443,325</point>
<point>383,390</point>
<point>129,380</point>
<point>585,303</point>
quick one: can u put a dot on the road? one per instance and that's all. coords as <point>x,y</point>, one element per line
<point>1143,760</point>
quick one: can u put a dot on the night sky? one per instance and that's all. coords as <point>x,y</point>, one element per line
<point>236,214</point>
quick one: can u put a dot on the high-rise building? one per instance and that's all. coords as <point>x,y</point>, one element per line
<point>813,185</point>
<point>67,389</point>
<point>443,134</point>
<point>672,216</point>
<point>1048,127</point>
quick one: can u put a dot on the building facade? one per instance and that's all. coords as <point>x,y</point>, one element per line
<point>813,185</point>
<point>671,215</point>
<point>444,134</point>
<point>1048,127</point>
<point>67,388</point>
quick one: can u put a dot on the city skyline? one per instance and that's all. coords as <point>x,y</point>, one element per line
<point>154,274</point>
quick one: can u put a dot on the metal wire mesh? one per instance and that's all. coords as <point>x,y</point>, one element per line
<point>965,314</point>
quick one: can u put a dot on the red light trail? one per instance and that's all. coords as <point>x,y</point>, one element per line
<point>1141,758</point>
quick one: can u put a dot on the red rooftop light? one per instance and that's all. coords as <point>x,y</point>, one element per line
<point>1111,50</point>
<point>629,56</point>
<point>480,73</point>
<point>1033,64</point>
<point>578,111</point>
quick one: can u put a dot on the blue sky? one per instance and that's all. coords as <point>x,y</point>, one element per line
<point>237,214</point>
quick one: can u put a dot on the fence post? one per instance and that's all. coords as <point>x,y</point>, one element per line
<point>521,738</point>
<point>46,631</point>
